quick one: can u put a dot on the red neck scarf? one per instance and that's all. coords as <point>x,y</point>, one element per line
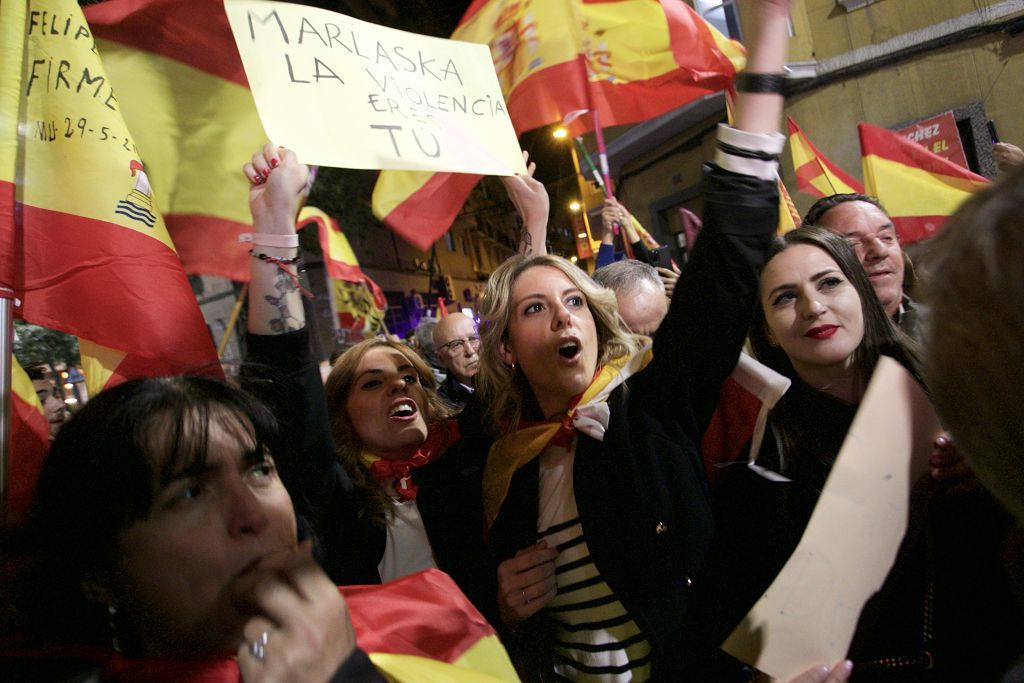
<point>397,472</point>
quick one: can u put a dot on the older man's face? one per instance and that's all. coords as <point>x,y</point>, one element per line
<point>872,235</point>
<point>457,343</point>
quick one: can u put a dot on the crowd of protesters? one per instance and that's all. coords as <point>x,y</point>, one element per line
<point>187,529</point>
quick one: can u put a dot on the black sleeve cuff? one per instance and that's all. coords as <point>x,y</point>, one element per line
<point>357,669</point>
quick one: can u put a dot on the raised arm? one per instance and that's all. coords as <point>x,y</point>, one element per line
<point>531,201</point>
<point>698,344</point>
<point>761,112</point>
<point>281,370</point>
<point>277,180</point>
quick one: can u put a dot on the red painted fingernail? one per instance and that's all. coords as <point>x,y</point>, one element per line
<point>274,163</point>
<point>258,179</point>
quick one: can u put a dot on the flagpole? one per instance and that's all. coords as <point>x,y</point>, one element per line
<point>590,162</point>
<point>6,344</point>
<point>231,322</point>
<point>430,277</point>
<point>824,172</point>
<point>602,150</point>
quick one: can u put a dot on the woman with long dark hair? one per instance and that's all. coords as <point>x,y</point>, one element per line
<point>820,325</point>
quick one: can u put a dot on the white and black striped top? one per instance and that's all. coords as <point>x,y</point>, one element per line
<point>595,639</point>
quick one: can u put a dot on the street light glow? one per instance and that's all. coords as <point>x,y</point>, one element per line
<point>573,259</point>
<point>574,206</point>
<point>582,235</point>
<point>559,133</point>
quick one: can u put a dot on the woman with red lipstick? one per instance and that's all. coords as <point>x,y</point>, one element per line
<point>594,494</point>
<point>820,324</point>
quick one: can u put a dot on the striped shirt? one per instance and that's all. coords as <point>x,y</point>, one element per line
<point>595,638</point>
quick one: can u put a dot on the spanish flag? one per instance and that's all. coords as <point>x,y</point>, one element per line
<point>357,301</point>
<point>30,442</point>
<point>919,189</point>
<point>423,629</point>
<point>85,248</point>
<point>631,60</point>
<point>183,92</point>
<point>417,629</point>
<point>815,174</point>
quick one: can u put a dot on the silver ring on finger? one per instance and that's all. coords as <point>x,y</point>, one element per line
<point>258,647</point>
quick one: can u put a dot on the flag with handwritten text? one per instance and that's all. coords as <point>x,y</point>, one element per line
<point>89,253</point>
<point>919,189</point>
<point>631,60</point>
<point>357,301</point>
<point>183,93</point>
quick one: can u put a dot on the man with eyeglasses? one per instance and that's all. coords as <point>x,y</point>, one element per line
<point>869,230</point>
<point>456,344</point>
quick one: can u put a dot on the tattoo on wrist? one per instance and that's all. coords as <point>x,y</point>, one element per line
<point>285,321</point>
<point>526,243</point>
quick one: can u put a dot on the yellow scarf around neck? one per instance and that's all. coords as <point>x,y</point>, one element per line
<point>589,415</point>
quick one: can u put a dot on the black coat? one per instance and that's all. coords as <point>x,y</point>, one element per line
<point>642,493</point>
<point>946,594</point>
<point>281,371</point>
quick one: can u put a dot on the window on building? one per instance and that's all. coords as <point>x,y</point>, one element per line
<point>465,247</point>
<point>722,14</point>
<point>449,241</point>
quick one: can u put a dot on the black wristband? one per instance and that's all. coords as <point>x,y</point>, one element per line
<point>761,83</point>
<point>274,259</point>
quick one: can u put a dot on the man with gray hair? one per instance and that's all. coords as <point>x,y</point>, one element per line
<point>639,291</point>
<point>425,346</point>
<point>456,343</point>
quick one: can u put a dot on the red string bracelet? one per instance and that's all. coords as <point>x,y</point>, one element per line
<point>282,265</point>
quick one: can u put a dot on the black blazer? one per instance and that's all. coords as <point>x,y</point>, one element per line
<point>642,493</point>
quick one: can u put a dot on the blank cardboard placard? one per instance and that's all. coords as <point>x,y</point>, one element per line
<point>346,93</point>
<point>808,615</point>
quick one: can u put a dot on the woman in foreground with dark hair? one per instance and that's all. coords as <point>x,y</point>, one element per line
<point>167,546</point>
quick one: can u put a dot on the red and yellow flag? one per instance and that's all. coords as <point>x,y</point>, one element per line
<point>422,629</point>
<point>30,442</point>
<point>919,189</point>
<point>357,301</point>
<point>86,250</point>
<point>183,92</point>
<point>631,60</point>
<point>815,174</point>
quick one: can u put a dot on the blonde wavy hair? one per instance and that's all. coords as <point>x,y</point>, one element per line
<point>504,389</point>
<point>348,446</point>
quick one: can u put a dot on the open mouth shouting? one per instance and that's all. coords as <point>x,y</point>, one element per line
<point>404,410</point>
<point>570,350</point>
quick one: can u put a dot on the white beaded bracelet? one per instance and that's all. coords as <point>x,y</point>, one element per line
<point>264,239</point>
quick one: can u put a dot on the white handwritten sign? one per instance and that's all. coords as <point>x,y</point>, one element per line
<point>809,614</point>
<point>343,92</point>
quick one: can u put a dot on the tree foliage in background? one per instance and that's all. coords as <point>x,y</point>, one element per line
<point>345,194</point>
<point>35,345</point>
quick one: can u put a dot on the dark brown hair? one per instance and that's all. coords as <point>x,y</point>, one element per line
<point>349,447</point>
